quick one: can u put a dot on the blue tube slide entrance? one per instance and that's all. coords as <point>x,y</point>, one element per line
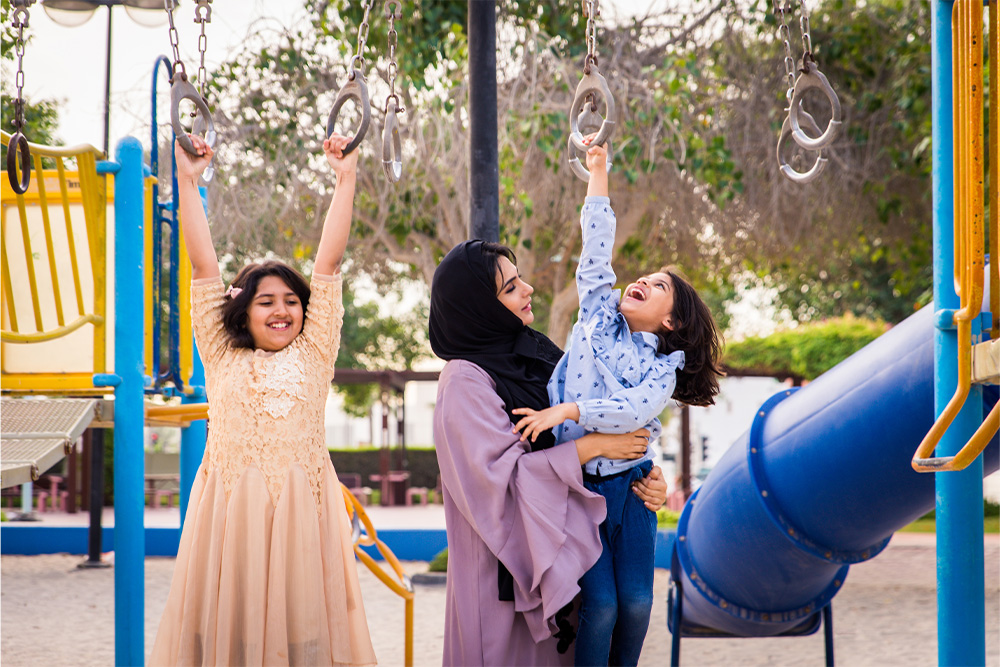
<point>820,481</point>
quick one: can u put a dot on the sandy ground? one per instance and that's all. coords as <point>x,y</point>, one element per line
<point>51,613</point>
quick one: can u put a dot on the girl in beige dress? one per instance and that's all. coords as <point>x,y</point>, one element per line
<point>265,572</point>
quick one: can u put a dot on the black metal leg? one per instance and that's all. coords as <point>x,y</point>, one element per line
<point>96,500</point>
<point>828,633</point>
<point>677,600</point>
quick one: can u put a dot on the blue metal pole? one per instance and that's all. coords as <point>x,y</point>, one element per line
<point>959,495</point>
<point>130,547</point>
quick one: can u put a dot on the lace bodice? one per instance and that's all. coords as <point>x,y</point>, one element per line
<point>266,409</point>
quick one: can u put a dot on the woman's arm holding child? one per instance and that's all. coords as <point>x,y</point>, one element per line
<point>197,235</point>
<point>337,226</point>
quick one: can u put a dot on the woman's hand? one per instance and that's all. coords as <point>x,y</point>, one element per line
<point>613,445</point>
<point>597,155</point>
<point>189,167</point>
<point>652,489</point>
<point>342,164</point>
<point>537,421</point>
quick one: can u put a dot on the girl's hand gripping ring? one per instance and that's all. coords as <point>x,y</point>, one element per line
<point>355,89</point>
<point>594,84</point>
<point>587,121</point>
<point>181,89</point>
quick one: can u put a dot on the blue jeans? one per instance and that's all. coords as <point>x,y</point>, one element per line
<point>617,592</point>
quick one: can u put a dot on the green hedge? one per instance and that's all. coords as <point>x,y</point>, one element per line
<point>805,352</point>
<point>420,461</point>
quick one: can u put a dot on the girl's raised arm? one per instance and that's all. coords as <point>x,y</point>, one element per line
<point>197,236</point>
<point>337,226</point>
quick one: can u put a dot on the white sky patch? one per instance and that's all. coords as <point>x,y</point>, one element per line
<point>754,311</point>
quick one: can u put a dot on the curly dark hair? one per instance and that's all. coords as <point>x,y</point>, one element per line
<point>696,334</point>
<point>234,311</point>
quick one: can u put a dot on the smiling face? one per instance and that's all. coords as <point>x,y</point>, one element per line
<point>648,303</point>
<point>514,293</point>
<point>275,315</point>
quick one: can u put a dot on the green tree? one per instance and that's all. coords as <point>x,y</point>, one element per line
<point>857,240</point>
<point>677,172</point>
<point>805,352</point>
<point>371,340</point>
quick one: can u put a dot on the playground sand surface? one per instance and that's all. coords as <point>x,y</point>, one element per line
<point>55,614</point>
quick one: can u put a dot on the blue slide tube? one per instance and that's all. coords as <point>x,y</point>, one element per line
<point>821,480</point>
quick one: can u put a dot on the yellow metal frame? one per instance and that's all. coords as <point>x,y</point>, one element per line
<point>994,49</point>
<point>400,585</point>
<point>967,30</point>
<point>93,195</point>
<point>93,192</point>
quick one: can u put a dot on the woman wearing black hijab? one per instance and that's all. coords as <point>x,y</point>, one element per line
<point>522,529</point>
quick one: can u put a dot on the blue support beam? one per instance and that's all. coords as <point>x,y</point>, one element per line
<point>959,495</point>
<point>130,551</point>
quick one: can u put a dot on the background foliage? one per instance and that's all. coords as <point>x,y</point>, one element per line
<point>701,98</point>
<point>805,352</point>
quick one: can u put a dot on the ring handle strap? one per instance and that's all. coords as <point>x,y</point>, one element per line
<point>587,121</point>
<point>355,89</point>
<point>592,83</point>
<point>18,145</point>
<point>786,169</point>
<point>809,79</point>
<point>182,89</point>
<point>392,150</point>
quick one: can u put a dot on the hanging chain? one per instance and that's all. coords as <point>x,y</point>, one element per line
<point>358,61</point>
<point>178,67</point>
<point>393,66</point>
<point>202,15</point>
<point>807,48</point>
<point>20,22</point>
<point>785,35</point>
<point>593,11</point>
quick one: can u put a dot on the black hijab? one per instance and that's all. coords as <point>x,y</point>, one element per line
<point>467,321</point>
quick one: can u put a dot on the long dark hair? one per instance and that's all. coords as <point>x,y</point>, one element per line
<point>695,333</point>
<point>234,311</point>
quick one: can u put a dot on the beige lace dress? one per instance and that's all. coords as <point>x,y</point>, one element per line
<point>265,571</point>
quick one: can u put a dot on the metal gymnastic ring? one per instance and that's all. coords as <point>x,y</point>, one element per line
<point>181,89</point>
<point>200,129</point>
<point>587,121</point>
<point>786,169</point>
<point>592,83</point>
<point>355,89</point>
<point>813,78</point>
<point>392,150</point>
<point>18,143</point>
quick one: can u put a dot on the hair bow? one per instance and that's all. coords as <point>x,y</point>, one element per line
<point>233,292</point>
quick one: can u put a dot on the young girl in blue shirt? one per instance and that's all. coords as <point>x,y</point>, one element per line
<point>628,355</point>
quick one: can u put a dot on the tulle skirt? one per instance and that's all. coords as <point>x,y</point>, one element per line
<point>256,584</point>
